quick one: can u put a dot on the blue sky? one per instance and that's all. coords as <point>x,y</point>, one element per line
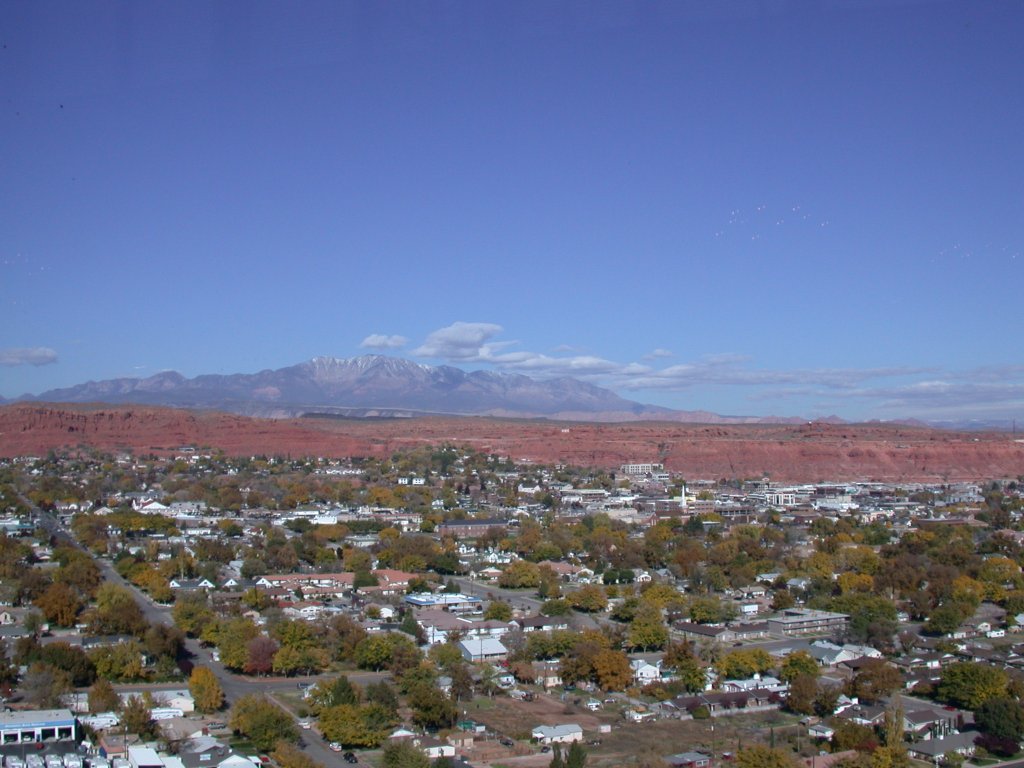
<point>790,208</point>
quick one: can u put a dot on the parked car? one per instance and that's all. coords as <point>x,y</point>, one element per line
<point>335,746</point>
<point>506,742</point>
<point>350,757</point>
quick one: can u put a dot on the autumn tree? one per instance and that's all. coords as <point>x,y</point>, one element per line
<point>892,753</point>
<point>137,718</point>
<point>70,659</point>
<point>60,604</point>
<point>522,574</point>
<point>875,680</point>
<point>803,690</point>
<point>44,685</point>
<point>103,697</point>
<point>611,670</point>
<point>206,690</point>
<point>287,755</point>
<point>590,598</point>
<point>760,756</point>
<point>259,656</point>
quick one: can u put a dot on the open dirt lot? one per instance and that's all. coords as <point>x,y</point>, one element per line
<point>625,741</point>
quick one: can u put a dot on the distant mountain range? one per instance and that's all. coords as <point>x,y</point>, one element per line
<point>377,385</point>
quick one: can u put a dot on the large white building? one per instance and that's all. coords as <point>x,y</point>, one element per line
<point>37,726</point>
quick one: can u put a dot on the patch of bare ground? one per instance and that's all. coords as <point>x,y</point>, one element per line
<point>625,742</point>
<point>517,719</point>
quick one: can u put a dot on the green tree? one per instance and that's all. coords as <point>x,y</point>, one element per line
<point>710,610</point>
<point>262,722</point>
<point>402,753</point>
<point>1002,717</point>
<point>191,613</point>
<point>206,690</point>
<point>556,607</point>
<point>944,620</point>
<point>384,695</point>
<point>116,612</point>
<point>689,669</point>
<point>331,693</point>
<point>796,664</point>
<point>744,663</point>
<point>119,662</point>
<point>647,630</point>
<point>232,638</point>
<point>431,708</point>
<point>290,660</point>
<point>498,610</point>
<point>968,685</point>
<point>576,757</point>
<point>348,725</point>
<point>373,652</point>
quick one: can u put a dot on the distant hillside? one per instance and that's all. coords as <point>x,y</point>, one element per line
<point>376,385</point>
<point>785,452</point>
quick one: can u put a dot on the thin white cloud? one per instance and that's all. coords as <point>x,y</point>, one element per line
<point>899,390</point>
<point>726,371</point>
<point>383,341</point>
<point>35,356</point>
<point>658,354</point>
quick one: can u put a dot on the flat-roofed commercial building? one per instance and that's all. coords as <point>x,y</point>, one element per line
<point>38,725</point>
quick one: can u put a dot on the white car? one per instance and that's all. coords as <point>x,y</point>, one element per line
<point>335,746</point>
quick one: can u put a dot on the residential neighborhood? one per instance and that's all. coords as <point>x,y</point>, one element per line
<point>198,608</point>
